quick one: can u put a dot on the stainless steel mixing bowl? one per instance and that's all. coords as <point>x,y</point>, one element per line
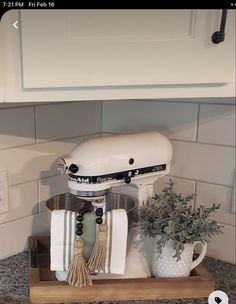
<point>113,201</point>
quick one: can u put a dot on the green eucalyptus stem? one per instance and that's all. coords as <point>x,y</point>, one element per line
<point>170,216</point>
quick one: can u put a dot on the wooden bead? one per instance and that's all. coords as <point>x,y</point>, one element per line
<point>99,212</point>
<point>99,220</point>
<point>80,218</point>
<point>79,231</point>
<point>79,225</point>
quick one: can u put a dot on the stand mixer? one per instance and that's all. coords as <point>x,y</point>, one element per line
<point>126,164</point>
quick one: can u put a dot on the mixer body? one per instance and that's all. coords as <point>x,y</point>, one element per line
<point>126,164</point>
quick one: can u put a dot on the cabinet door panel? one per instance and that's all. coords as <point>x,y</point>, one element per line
<point>84,48</point>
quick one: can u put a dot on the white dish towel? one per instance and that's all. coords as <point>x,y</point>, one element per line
<point>63,226</point>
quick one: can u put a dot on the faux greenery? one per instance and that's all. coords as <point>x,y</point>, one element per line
<point>170,216</point>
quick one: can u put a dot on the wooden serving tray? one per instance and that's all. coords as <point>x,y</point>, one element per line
<point>44,288</point>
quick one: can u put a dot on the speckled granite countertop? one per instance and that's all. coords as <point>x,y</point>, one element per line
<point>14,284</point>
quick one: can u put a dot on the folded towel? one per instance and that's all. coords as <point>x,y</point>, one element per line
<point>63,226</point>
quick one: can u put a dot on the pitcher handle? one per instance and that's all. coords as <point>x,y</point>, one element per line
<point>201,256</point>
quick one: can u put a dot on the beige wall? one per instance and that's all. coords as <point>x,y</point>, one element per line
<point>32,137</point>
<point>203,139</point>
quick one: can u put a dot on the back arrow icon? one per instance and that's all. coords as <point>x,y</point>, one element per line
<point>15,25</point>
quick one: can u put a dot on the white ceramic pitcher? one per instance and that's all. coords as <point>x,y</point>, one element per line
<point>167,266</point>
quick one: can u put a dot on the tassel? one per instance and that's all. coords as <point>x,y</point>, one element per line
<point>97,259</point>
<point>78,274</point>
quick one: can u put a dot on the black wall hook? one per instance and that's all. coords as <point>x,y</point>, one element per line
<point>219,36</point>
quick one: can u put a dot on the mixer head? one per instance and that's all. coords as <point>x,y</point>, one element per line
<point>97,165</point>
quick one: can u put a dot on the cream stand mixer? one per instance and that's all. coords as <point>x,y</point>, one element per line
<point>125,164</point>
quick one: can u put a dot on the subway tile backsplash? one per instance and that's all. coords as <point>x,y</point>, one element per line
<point>216,124</point>
<point>33,162</point>
<point>223,246</point>
<point>183,186</point>
<point>31,140</point>
<point>33,137</point>
<point>23,201</point>
<point>16,127</point>
<point>14,235</point>
<point>175,120</point>
<point>203,162</point>
<point>206,194</point>
<point>68,120</point>
<point>49,187</point>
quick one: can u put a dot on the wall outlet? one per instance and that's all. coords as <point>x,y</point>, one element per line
<point>4,203</point>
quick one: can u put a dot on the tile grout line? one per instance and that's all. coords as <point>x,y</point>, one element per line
<point>33,180</point>
<point>23,218</point>
<point>48,211</point>
<point>101,118</point>
<point>201,143</point>
<point>195,194</point>
<point>200,181</point>
<point>81,136</point>
<point>35,126</point>
<point>40,103</point>
<point>48,141</point>
<point>198,123</point>
<point>38,203</point>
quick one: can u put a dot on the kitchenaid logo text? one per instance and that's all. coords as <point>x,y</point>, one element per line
<point>116,175</point>
<point>159,168</point>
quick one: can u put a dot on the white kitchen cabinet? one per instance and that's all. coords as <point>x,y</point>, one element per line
<point>117,54</point>
<point>1,91</point>
<point>80,48</point>
<point>1,70</point>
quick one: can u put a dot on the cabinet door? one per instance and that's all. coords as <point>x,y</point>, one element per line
<point>90,48</point>
<point>1,69</point>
